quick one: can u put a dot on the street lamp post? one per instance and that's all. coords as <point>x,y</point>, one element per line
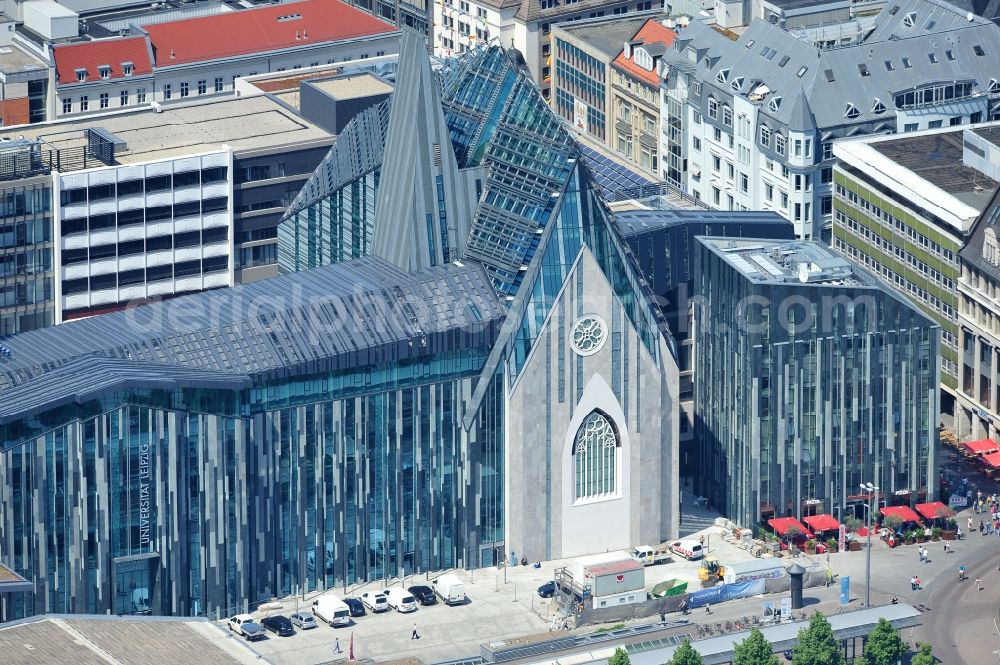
<point>872,490</point>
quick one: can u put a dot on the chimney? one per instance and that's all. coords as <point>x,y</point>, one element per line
<point>171,54</point>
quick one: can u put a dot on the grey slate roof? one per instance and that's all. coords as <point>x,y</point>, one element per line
<point>831,77</point>
<point>328,319</point>
<point>604,34</point>
<point>972,252</point>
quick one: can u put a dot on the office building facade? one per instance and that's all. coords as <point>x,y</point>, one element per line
<point>812,379</point>
<point>202,467</point>
<point>905,218</point>
<point>977,413</point>
<point>764,110</point>
<point>663,243</point>
<point>582,52</point>
<point>194,58</point>
<point>96,222</point>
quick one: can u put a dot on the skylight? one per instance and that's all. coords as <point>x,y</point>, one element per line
<point>802,70</point>
<point>933,58</point>
<point>906,63</point>
<point>889,66</point>
<point>784,60</point>
<point>863,68</point>
<point>978,50</point>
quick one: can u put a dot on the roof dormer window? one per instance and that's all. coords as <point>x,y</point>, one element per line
<point>910,19</point>
<point>722,76</point>
<point>104,71</point>
<point>127,68</point>
<point>774,104</point>
<point>994,86</point>
<point>81,75</point>
<point>851,111</point>
<point>878,107</point>
<point>737,83</point>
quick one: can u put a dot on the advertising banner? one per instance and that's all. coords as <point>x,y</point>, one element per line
<point>845,590</point>
<point>724,592</point>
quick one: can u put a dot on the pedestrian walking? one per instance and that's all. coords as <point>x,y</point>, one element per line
<point>970,524</point>
<point>920,554</point>
<point>917,583</point>
<point>947,547</point>
<point>913,583</point>
<point>336,646</point>
<point>979,584</point>
<point>961,573</point>
<point>413,635</point>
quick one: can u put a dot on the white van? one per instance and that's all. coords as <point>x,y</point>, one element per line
<point>450,589</point>
<point>400,600</point>
<point>689,549</point>
<point>332,610</point>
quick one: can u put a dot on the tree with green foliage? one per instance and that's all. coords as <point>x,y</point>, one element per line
<point>884,645</point>
<point>620,657</point>
<point>754,650</point>
<point>686,655</point>
<point>817,645</point>
<point>924,655</point>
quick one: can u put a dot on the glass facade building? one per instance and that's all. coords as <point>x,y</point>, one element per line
<point>168,484</point>
<point>27,300</point>
<point>377,410</point>
<point>812,379</point>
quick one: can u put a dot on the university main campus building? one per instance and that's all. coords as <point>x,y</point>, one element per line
<point>459,363</point>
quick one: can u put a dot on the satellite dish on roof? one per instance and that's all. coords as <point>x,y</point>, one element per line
<point>970,16</point>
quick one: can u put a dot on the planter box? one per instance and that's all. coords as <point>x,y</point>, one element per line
<point>935,538</point>
<point>854,546</point>
<point>909,541</point>
<point>948,535</point>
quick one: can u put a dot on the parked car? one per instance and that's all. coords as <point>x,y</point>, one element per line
<point>278,625</point>
<point>243,624</point>
<point>423,594</point>
<point>357,607</point>
<point>375,601</point>
<point>400,600</point>
<point>303,620</point>
<point>547,590</point>
<point>236,623</point>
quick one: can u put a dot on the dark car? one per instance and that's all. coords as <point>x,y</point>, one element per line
<point>357,607</point>
<point>547,590</point>
<point>423,594</point>
<point>279,625</point>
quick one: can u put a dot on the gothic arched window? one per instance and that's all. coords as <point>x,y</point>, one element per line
<point>595,456</point>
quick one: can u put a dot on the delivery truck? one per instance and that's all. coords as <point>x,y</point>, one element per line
<point>649,556</point>
<point>332,610</point>
<point>450,589</point>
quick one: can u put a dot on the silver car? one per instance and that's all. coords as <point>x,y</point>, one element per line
<point>303,620</point>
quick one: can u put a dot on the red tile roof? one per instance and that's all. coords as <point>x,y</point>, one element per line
<point>259,30</point>
<point>93,54</point>
<point>651,32</point>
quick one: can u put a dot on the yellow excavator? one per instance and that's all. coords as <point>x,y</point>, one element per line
<point>711,572</point>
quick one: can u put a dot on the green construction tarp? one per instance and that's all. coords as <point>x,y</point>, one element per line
<point>669,588</point>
